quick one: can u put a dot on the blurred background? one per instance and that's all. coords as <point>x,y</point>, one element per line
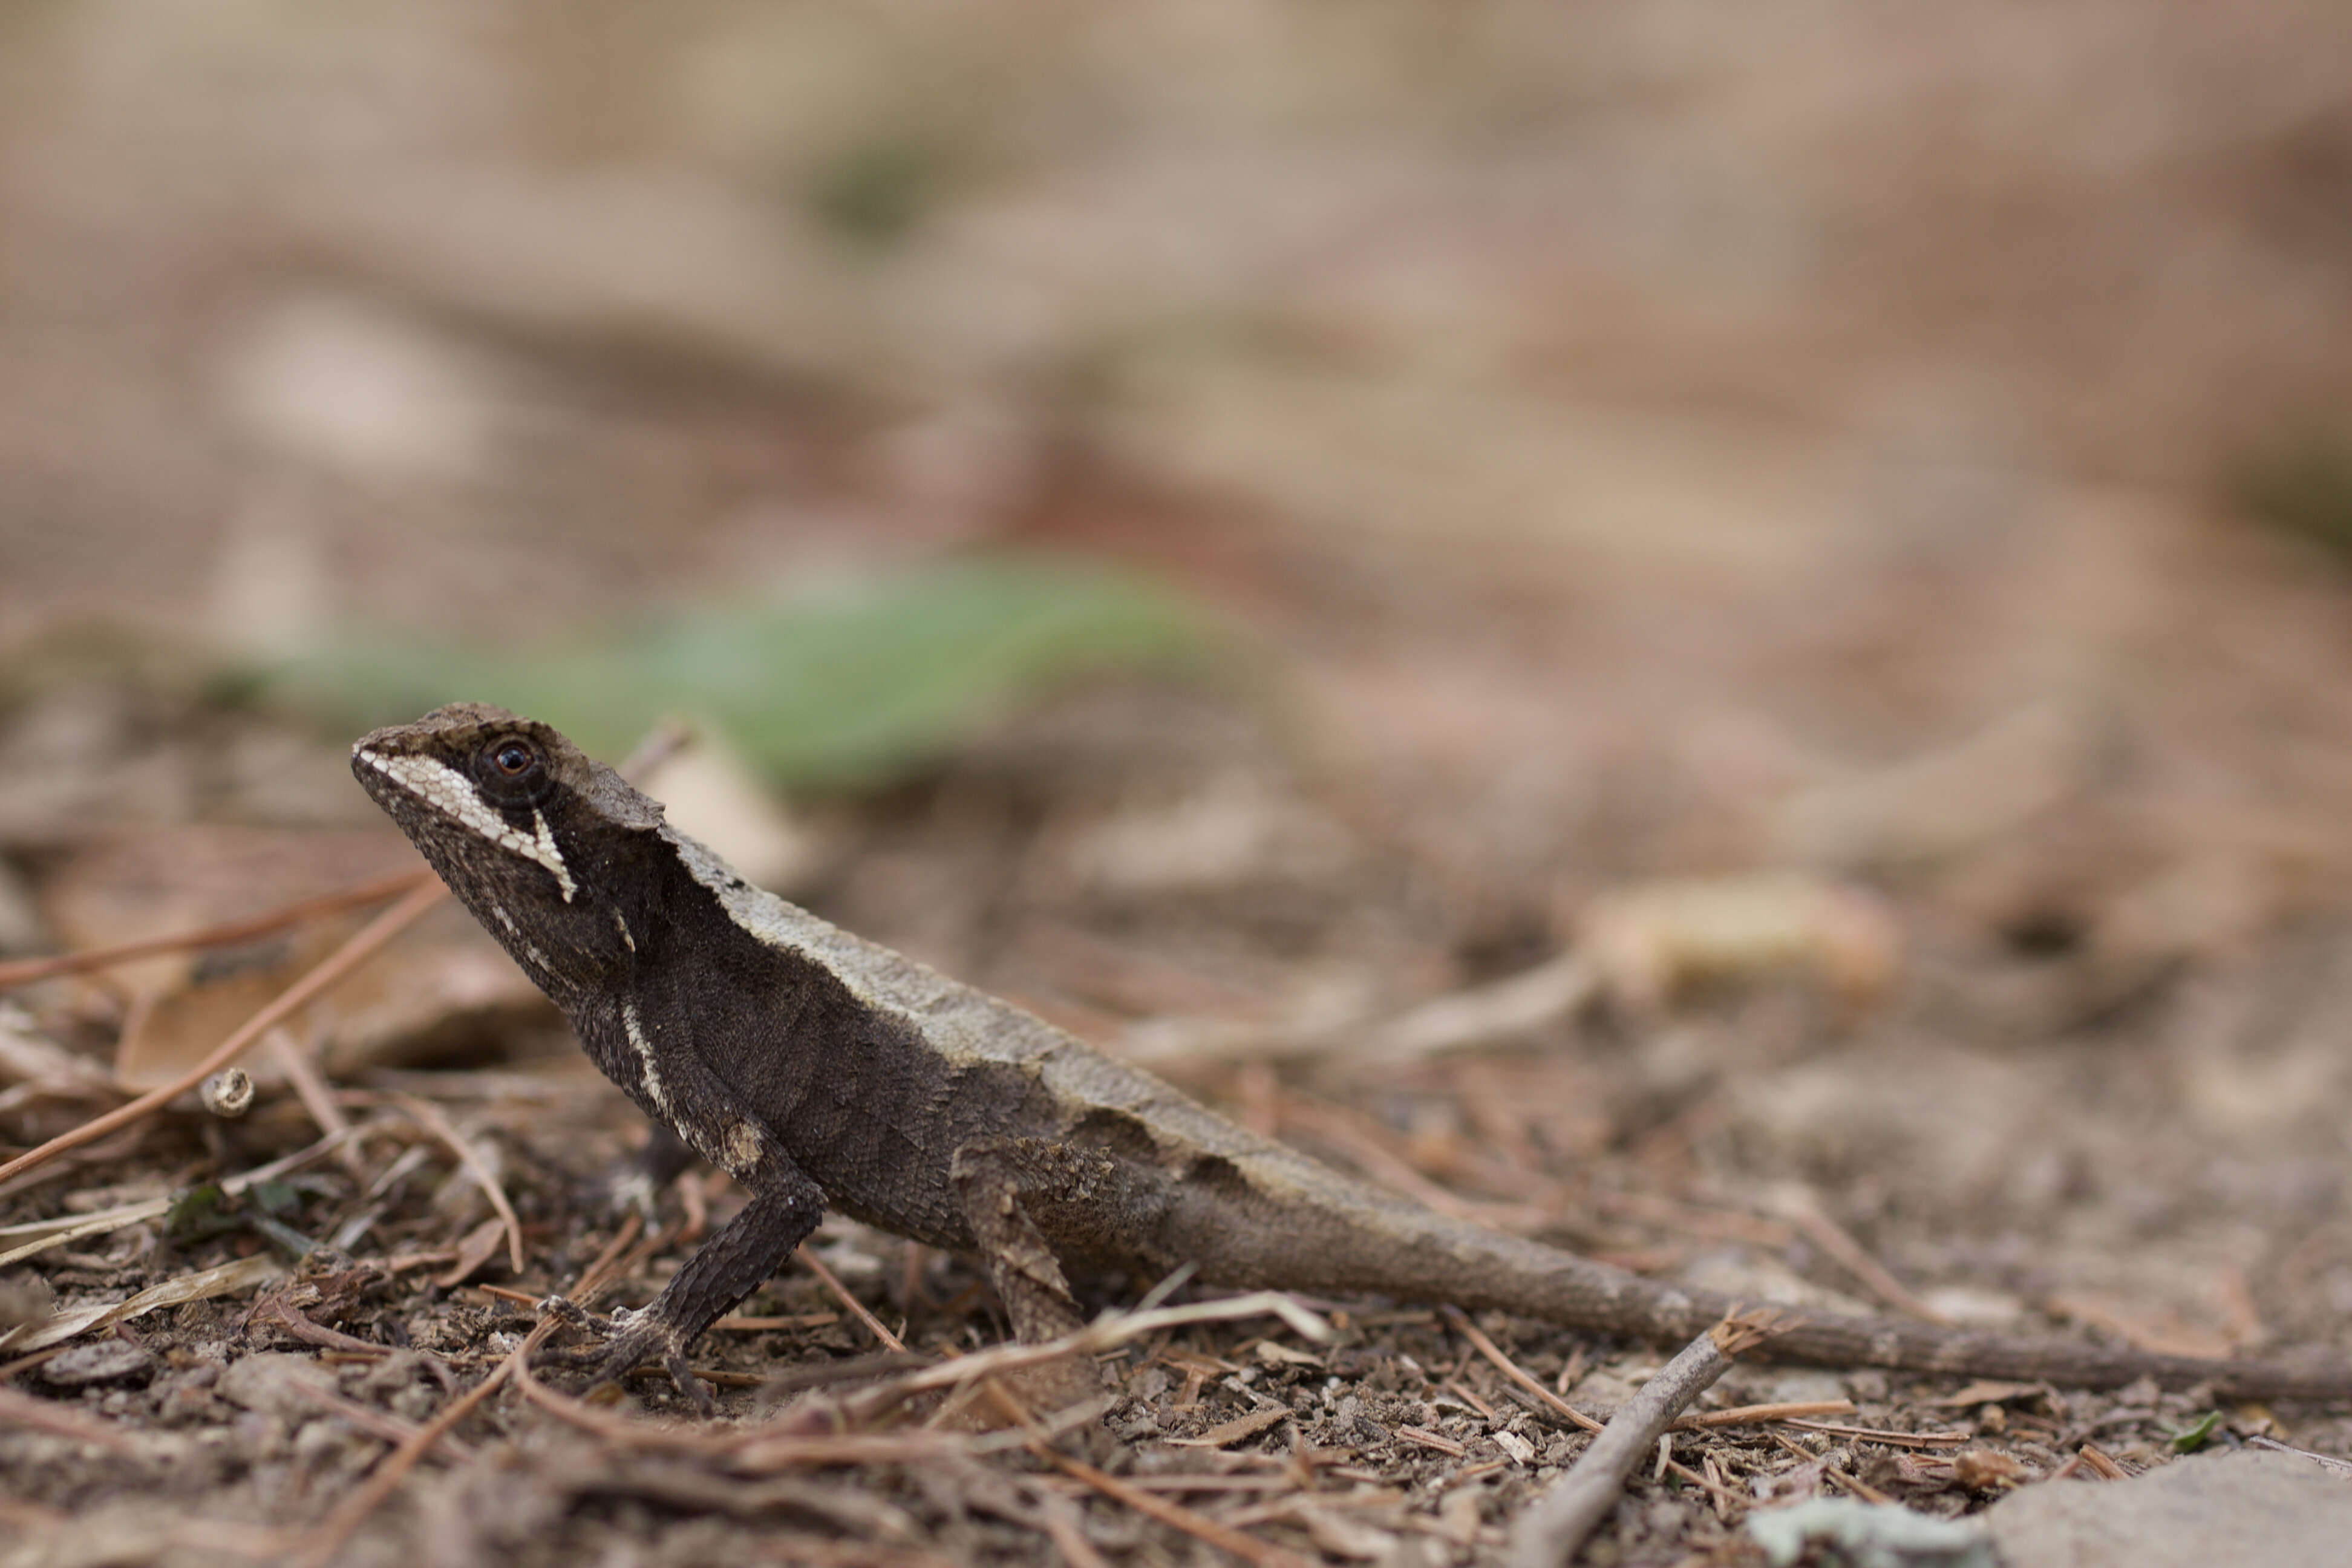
<point>1818,534</point>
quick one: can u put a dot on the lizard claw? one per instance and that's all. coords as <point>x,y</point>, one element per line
<point>570,1313</point>
<point>636,1339</point>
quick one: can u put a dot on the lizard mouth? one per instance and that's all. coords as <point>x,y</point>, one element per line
<point>457,801</point>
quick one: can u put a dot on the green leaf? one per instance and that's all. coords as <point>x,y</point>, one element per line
<point>278,1198</point>
<point>828,691</point>
<point>2194,1438</point>
<point>2302,486</point>
<point>201,1212</point>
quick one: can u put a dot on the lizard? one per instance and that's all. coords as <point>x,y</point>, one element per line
<point>820,1069</point>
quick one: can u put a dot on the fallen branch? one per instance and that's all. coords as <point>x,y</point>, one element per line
<point>1546,1534</point>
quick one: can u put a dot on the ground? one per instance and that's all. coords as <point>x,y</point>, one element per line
<point>1784,724</point>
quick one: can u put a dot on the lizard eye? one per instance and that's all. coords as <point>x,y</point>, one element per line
<point>509,759</point>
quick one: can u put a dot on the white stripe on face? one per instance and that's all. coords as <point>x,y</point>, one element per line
<point>451,794</point>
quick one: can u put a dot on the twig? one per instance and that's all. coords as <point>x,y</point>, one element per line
<point>816,1265</point>
<point>225,1279</point>
<point>2338,1467</point>
<point>1748,1415</point>
<point>1248,1548</point>
<point>24,971</point>
<point>618,1428</point>
<point>22,1410</point>
<point>1421,1436</point>
<point>1802,1207</point>
<point>658,744</point>
<point>47,1234</point>
<point>311,1090</point>
<point>1549,1532</point>
<point>1108,1332</point>
<point>1879,1435</point>
<point>8,1369</point>
<point>1511,1369</point>
<point>765,1325</point>
<point>1057,1517</point>
<point>362,944</point>
<point>2093,1459</point>
<point>429,1116</point>
<point>1463,1391</point>
<point>1724,1498</point>
<point>780,1441</point>
<point>599,1272</point>
<point>1856,1485</point>
<point>1859,1487</point>
<point>378,1424</point>
<point>272,1310</point>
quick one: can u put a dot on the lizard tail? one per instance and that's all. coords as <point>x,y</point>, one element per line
<point>1525,1278</point>
<point>1379,1245</point>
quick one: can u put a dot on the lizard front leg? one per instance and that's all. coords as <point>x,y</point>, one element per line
<point>674,1084</point>
<point>746,1251</point>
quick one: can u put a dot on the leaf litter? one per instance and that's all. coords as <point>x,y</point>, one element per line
<point>1405,1427</point>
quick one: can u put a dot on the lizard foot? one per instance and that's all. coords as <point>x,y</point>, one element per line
<point>637,1338</point>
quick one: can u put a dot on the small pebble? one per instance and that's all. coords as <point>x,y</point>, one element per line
<point>228,1094</point>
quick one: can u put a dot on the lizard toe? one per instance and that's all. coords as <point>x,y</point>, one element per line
<point>569,1314</point>
<point>637,1340</point>
<point>693,1388</point>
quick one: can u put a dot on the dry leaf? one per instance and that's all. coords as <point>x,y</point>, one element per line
<point>1653,940</point>
<point>1983,1469</point>
<point>478,1246</point>
<point>225,1281</point>
<point>1234,1431</point>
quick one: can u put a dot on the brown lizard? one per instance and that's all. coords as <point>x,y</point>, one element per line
<point>818,1069</point>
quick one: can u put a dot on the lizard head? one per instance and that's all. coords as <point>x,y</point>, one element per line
<point>536,838</point>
